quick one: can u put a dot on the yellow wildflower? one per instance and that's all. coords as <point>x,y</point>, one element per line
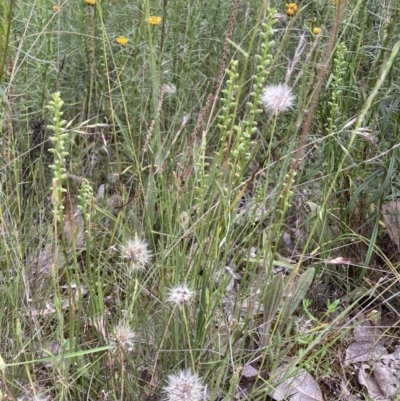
<point>317,30</point>
<point>90,2</point>
<point>291,9</point>
<point>122,40</point>
<point>154,20</point>
<point>56,9</point>
<point>290,12</point>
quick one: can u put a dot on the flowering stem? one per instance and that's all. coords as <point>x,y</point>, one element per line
<point>188,335</point>
<point>91,56</point>
<point>160,346</point>
<point>122,373</point>
<point>5,41</point>
<point>165,6</point>
<point>155,125</point>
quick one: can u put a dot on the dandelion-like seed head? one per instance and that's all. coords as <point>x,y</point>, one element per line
<point>124,336</point>
<point>38,398</point>
<point>170,89</point>
<point>154,20</point>
<point>180,295</point>
<point>184,386</point>
<point>122,40</point>
<point>137,253</point>
<point>277,98</point>
<point>302,325</point>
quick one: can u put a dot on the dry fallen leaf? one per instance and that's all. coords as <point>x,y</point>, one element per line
<point>387,379</point>
<point>300,387</point>
<point>45,259</point>
<point>249,373</point>
<point>75,228</point>
<point>367,332</point>
<point>381,376</point>
<point>367,346</point>
<point>373,389</point>
<point>391,218</point>
<point>363,352</point>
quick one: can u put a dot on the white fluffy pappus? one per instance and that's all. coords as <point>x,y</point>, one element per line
<point>183,386</point>
<point>277,99</point>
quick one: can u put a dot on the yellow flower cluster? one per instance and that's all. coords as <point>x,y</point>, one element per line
<point>56,9</point>
<point>154,20</point>
<point>122,40</point>
<point>291,9</point>
<point>90,2</point>
<point>317,30</point>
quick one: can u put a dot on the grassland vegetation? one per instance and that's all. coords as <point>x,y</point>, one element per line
<point>199,200</point>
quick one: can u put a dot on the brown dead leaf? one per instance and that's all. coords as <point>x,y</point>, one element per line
<point>300,387</point>
<point>249,373</point>
<point>75,228</point>
<point>391,218</point>
<point>387,379</point>
<point>374,391</point>
<point>367,332</point>
<point>45,259</point>
<point>381,376</point>
<point>367,346</point>
<point>363,352</point>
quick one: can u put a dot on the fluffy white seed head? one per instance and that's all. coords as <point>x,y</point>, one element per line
<point>123,336</point>
<point>180,295</point>
<point>184,386</point>
<point>170,88</point>
<point>277,98</point>
<point>137,253</point>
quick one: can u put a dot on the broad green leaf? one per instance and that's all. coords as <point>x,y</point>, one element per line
<point>299,291</point>
<point>272,301</point>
